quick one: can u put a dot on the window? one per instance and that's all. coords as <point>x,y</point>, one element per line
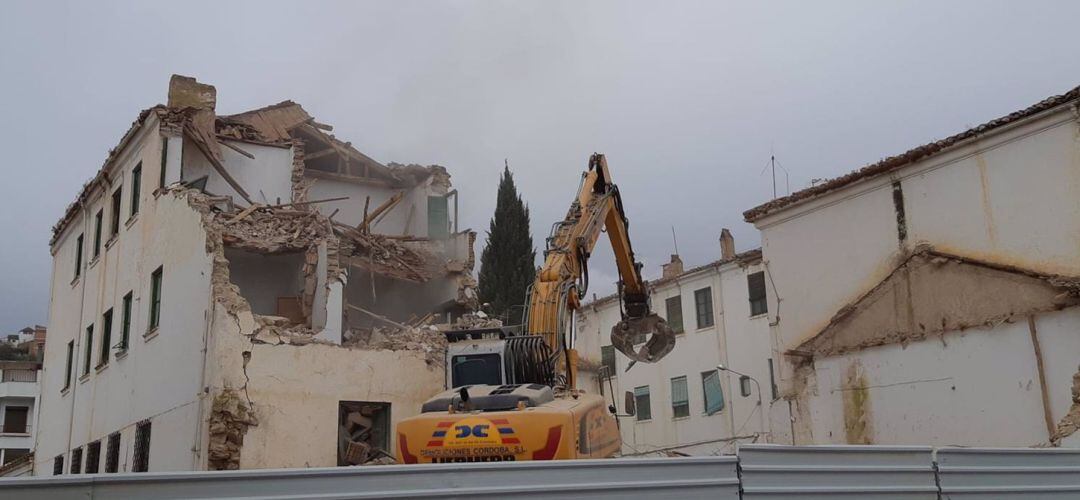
<point>97,231</point>
<point>58,465</point>
<point>70,358</point>
<point>76,461</point>
<point>116,196</point>
<point>164,160</point>
<point>136,185</point>
<point>89,349</point>
<point>642,403</point>
<point>106,334</point>
<point>78,256</point>
<point>674,313</point>
<point>93,457</point>
<point>125,323</point>
<point>112,453</point>
<point>607,360</point>
<point>15,419</point>
<point>756,284</point>
<point>472,369</point>
<point>680,397</point>
<point>155,299</point>
<point>772,379</point>
<point>714,395</point>
<point>13,454</point>
<point>141,460</point>
<point>438,218</point>
<point>703,305</point>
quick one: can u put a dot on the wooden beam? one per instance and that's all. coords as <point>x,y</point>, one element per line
<point>301,203</point>
<point>236,148</point>
<point>383,207</point>
<point>377,316</point>
<point>320,154</point>
<point>246,212</point>
<point>216,164</point>
<point>320,125</point>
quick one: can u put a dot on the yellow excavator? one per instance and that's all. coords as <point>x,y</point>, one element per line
<point>513,396</point>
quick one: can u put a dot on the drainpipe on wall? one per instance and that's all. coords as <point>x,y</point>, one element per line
<point>78,337</point>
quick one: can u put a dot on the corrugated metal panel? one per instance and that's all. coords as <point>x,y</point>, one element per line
<point>991,473</point>
<point>683,478</point>
<point>824,472</point>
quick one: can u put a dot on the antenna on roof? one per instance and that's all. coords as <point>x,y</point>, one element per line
<point>772,166</point>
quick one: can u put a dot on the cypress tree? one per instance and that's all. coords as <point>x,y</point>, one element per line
<point>508,263</point>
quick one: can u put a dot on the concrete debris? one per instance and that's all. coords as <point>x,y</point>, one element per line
<point>476,320</point>
<point>229,420</point>
<point>429,340</point>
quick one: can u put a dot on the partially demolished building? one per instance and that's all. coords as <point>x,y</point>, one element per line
<point>245,291</point>
<point>930,298</point>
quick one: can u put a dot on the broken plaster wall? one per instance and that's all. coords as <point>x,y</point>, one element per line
<point>267,178</point>
<point>276,389</point>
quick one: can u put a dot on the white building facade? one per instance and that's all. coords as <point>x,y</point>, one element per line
<point>930,298</point>
<point>19,390</point>
<point>684,405</point>
<point>198,322</point>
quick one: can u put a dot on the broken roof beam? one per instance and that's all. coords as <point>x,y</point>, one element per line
<point>205,148</point>
<point>379,210</point>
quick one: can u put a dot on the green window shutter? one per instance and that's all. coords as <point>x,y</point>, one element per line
<point>714,394</point>
<point>607,360</point>
<point>642,401</point>
<point>680,397</point>
<point>438,218</point>
<point>674,313</point>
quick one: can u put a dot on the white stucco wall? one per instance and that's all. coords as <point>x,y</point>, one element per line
<point>351,211</point>
<point>736,339</point>
<point>1012,198</point>
<point>266,178</point>
<point>160,376</point>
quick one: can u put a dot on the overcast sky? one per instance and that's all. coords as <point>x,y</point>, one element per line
<point>687,99</point>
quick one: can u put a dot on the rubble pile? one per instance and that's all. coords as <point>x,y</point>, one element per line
<point>390,257</point>
<point>270,230</point>
<point>429,340</point>
<point>476,320</point>
<point>276,330</point>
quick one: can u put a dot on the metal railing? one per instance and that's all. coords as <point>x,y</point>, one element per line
<point>18,375</point>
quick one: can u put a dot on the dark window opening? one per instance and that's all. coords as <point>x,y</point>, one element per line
<point>13,454</point>
<point>97,231</point>
<point>476,369</point>
<point>58,465</point>
<point>272,284</point>
<point>112,453</point>
<point>136,185</point>
<point>607,361</point>
<point>164,160</point>
<point>680,397</point>
<point>78,256</point>
<point>703,306</point>
<point>106,336</point>
<point>116,197</point>
<point>642,403</point>
<point>674,313</point>
<point>89,350</point>
<point>772,379</point>
<point>363,432</point>
<point>70,359</point>
<point>141,459</point>
<point>76,461</point>
<point>125,323</point>
<point>16,418</point>
<point>756,284</point>
<point>155,299</point>
<point>93,457</point>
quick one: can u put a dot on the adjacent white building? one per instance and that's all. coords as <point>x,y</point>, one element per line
<point>930,298</point>
<point>683,403</point>
<point>215,289</point>
<point>19,389</point>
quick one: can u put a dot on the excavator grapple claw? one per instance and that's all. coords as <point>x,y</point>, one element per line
<point>661,338</point>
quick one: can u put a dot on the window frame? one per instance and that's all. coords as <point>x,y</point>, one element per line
<point>106,337</point>
<point>638,395</point>
<point>136,188</point>
<point>125,318</point>
<point>759,304</point>
<point>76,461</point>
<point>677,327</point>
<point>89,352</point>
<point>58,465</point>
<point>70,365</point>
<point>112,453</point>
<point>140,461</point>
<point>164,161</point>
<point>93,457</point>
<point>709,409</point>
<point>703,309</point>
<point>684,404</point>
<point>156,279</point>
<point>99,222</point>
<point>78,257</point>
<point>116,207</point>
<point>607,353</point>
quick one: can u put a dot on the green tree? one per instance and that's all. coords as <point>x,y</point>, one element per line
<point>508,263</point>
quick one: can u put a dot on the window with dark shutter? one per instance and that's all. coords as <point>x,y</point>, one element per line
<point>70,360</point>
<point>112,453</point>
<point>607,361</point>
<point>141,460</point>
<point>703,306</point>
<point>643,402</point>
<point>674,313</point>
<point>756,284</point>
<point>106,336</point>
<point>58,465</point>
<point>89,348</point>
<point>78,257</point>
<point>680,397</point>
<point>136,188</point>
<point>93,457</point>
<point>117,196</point>
<point>76,461</point>
<point>125,323</point>
<point>155,299</point>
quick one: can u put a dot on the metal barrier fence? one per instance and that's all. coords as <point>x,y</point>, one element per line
<point>757,472</point>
